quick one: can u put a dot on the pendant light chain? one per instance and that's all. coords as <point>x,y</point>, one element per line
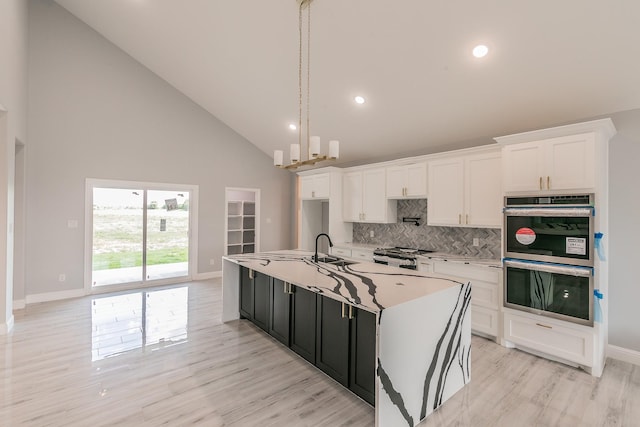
<point>300,75</point>
<point>308,77</point>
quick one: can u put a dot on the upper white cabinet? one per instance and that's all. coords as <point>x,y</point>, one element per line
<point>315,186</point>
<point>364,197</point>
<point>562,163</point>
<point>465,191</point>
<point>407,181</point>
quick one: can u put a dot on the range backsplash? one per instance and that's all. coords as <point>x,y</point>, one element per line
<point>454,240</point>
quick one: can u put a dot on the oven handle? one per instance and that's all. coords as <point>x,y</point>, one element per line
<point>552,211</point>
<point>568,270</point>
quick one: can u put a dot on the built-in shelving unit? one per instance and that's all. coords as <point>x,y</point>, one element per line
<point>241,227</point>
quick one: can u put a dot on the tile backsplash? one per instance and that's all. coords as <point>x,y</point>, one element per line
<point>454,240</point>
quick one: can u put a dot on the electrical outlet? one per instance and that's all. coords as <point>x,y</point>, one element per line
<point>371,233</point>
<point>62,277</point>
<point>476,241</point>
<point>212,261</point>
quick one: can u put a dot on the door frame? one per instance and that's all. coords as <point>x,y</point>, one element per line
<point>88,233</point>
<point>256,192</point>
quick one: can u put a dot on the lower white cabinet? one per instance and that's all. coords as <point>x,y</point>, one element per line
<point>483,319</point>
<point>343,252</point>
<point>486,285</point>
<point>356,254</point>
<point>567,341</point>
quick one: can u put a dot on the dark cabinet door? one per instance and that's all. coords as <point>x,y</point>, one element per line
<point>362,372</point>
<point>246,293</point>
<point>279,318</point>
<point>303,323</point>
<point>261,303</point>
<point>332,339</point>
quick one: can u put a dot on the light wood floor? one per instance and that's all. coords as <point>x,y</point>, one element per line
<point>86,362</point>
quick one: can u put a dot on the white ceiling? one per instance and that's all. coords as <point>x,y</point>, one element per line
<point>550,62</point>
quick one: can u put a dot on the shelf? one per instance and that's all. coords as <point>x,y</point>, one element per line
<point>241,223</point>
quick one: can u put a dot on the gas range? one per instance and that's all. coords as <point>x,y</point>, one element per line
<point>399,256</point>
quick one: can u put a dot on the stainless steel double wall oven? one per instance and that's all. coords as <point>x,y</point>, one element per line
<point>549,254</point>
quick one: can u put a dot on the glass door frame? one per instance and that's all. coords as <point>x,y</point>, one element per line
<point>92,183</point>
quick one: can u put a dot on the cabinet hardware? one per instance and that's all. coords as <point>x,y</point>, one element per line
<point>467,219</point>
<point>544,326</point>
<point>343,313</point>
<point>548,183</point>
<point>541,183</point>
<point>459,218</point>
<point>285,287</point>
<point>313,194</point>
<point>350,312</point>
<point>251,274</point>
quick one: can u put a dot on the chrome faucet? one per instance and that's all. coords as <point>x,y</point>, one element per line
<point>315,257</point>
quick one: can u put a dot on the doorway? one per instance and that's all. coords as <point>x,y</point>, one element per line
<point>138,233</point>
<point>242,224</point>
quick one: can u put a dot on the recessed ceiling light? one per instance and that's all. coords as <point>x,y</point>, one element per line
<point>359,99</point>
<point>480,51</point>
<point>292,126</point>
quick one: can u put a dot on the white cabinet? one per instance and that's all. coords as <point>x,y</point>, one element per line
<point>485,293</point>
<point>465,191</point>
<point>315,186</point>
<point>356,254</point>
<point>365,199</point>
<point>562,163</point>
<point>407,181</point>
<point>571,342</point>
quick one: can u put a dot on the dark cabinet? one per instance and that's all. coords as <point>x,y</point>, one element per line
<point>362,369</point>
<point>332,339</point>
<point>254,297</point>
<point>336,337</point>
<point>303,323</point>
<point>246,293</point>
<point>280,313</point>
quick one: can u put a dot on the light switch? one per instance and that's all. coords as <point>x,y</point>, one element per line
<point>72,223</point>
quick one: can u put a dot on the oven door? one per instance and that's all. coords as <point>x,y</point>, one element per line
<point>558,235</point>
<point>555,290</point>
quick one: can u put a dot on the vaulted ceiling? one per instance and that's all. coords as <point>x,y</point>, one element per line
<point>549,62</point>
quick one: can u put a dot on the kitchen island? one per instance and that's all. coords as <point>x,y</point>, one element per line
<point>421,325</point>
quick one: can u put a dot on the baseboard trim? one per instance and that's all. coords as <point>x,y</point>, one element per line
<point>19,304</point>
<point>54,296</point>
<point>209,275</point>
<point>623,354</point>
<point>5,328</point>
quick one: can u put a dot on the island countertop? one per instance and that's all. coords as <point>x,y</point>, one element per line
<point>373,287</point>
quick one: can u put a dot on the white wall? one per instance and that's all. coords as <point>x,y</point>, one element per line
<point>94,112</point>
<point>13,63</point>
<point>624,228</point>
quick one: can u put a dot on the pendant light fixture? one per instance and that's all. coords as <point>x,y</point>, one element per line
<point>312,147</point>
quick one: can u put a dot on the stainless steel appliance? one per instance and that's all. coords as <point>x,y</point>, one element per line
<point>557,229</point>
<point>399,257</point>
<point>555,290</point>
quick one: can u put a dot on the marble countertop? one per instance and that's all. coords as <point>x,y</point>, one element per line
<point>373,287</point>
<point>438,256</point>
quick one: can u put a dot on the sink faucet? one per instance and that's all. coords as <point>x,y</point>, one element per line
<point>315,257</point>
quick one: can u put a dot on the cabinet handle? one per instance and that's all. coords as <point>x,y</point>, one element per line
<point>313,194</point>
<point>467,219</point>
<point>548,183</point>
<point>285,287</point>
<point>251,275</point>
<point>459,218</point>
<point>544,326</point>
<point>541,183</point>
<point>350,312</point>
<point>343,313</point>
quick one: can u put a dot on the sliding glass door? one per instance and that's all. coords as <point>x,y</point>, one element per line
<point>138,233</point>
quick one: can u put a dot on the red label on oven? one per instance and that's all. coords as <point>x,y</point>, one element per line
<point>525,236</point>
